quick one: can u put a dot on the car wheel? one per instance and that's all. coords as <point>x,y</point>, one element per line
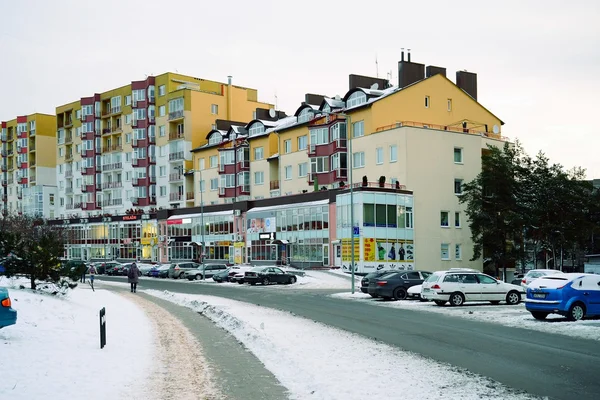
<point>439,302</point>
<point>539,315</point>
<point>292,280</point>
<point>400,293</point>
<point>252,283</point>
<point>576,312</point>
<point>513,298</point>
<point>495,302</point>
<point>457,299</point>
<point>198,277</point>
<point>266,281</point>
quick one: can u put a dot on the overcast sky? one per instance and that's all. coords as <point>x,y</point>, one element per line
<point>537,61</point>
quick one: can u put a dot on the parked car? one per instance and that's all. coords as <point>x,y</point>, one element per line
<point>268,275</point>
<point>537,273</point>
<point>574,295</point>
<point>160,271</point>
<point>364,282</point>
<point>204,271</point>
<point>395,284</point>
<point>517,280</point>
<point>238,277</point>
<point>114,269</point>
<point>458,286</point>
<point>145,268</point>
<point>103,267</point>
<point>177,270</point>
<point>8,316</point>
<point>414,292</point>
<point>222,276</point>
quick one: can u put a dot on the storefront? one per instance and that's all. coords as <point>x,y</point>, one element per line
<point>382,233</point>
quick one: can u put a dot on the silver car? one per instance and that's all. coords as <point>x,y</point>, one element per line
<point>204,271</point>
<point>178,270</point>
<point>533,274</point>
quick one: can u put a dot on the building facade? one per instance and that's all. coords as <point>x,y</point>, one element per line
<point>27,159</point>
<point>129,148</point>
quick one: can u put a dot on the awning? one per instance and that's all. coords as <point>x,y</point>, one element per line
<point>280,241</point>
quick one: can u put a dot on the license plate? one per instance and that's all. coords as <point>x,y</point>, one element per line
<point>426,289</point>
<point>539,295</point>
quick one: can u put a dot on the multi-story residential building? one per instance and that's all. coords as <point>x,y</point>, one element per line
<point>28,160</point>
<point>130,147</point>
<point>425,134</point>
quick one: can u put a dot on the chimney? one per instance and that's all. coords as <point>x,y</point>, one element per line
<point>467,81</point>
<point>313,99</point>
<point>229,101</point>
<point>229,77</point>
<point>409,72</point>
<point>431,71</point>
<point>366,82</point>
<point>402,52</point>
<point>408,52</point>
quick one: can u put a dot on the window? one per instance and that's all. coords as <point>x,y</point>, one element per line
<point>305,115</point>
<point>128,138</point>
<point>393,153</point>
<point>319,164</point>
<point>426,101</point>
<point>214,184</point>
<point>379,155</point>
<point>162,170</point>
<point>212,161</point>
<point>319,136</point>
<point>259,178</point>
<point>356,99</point>
<point>162,110</point>
<point>287,146</point>
<point>162,90</point>
<point>444,219</point>
<point>358,129</point>
<point>256,129</point>
<point>302,170</point>
<point>201,164</point>
<point>127,100</point>
<point>458,186</point>
<point>162,190</point>
<point>288,172</point>
<point>51,199</point>
<point>61,151</point>
<point>215,138</point>
<point>445,251</point>
<point>162,131</point>
<point>214,109</point>
<point>458,255</point>
<point>176,105</point>
<point>458,155</point>
<point>258,153</point>
<point>449,104</point>
<point>358,159</point>
<point>302,142</point>
<point>457,220</point>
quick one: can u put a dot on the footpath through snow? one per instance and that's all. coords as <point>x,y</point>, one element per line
<point>54,349</point>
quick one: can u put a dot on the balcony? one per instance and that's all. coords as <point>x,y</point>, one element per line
<point>87,188</point>
<point>3,152</point>
<point>152,178</point>
<point>175,177</point>
<point>32,146</point>
<point>274,185</point>
<point>139,142</point>
<point>111,167</point>
<point>106,131</point>
<point>135,201</point>
<point>87,135</point>
<point>4,198</point>
<point>114,147</point>
<point>140,162</point>
<point>69,206</point>
<point>111,111</point>
<point>88,206</point>
<point>32,177</point>
<point>189,196</point>
<point>69,190</point>
<point>76,205</point>
<point>323,150</point>
<point>87,153</point>
<point>69,139</point>
<point>32,163</point>
<point>152,139</point>
<point>23,165</point>
<point>3,168</point>
<point>175,196</point>
<point>152,159</point>
<point>175,115</point>
<point>32,133</point>
<point>112,185</point>
<point>3,137</point>
<point>140,181</point>
<point>176,135</point>
<point>69,156</point>
<point>112,202</point>
<point>176,156</point>
<point>68,173</point>
<point>88,171</point>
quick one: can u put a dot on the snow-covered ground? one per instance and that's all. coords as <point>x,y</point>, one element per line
<point>54,349</point>
<point>314,361</point>
<point>516,316</point>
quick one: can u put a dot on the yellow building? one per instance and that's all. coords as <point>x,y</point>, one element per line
<point>130,147</point>
<point>28,160</point>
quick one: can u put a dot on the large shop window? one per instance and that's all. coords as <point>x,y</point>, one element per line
<point>380,215</point>
<point>217,253</point>
<point>183,251</point>
<point>263,251</point>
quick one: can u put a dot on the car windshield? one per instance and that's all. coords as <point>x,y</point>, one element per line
<point>433,278</point>
<point>388,276</point>
<point>258,269</point>
<point>536,274</point>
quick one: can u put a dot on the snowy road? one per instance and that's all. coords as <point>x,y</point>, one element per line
<point>520,358</point>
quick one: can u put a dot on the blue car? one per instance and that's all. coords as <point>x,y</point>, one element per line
<point>8,316</point>
<point>573,295</point>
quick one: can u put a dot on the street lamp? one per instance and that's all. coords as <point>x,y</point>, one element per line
<point>349,163</point>
<point>202,226</point>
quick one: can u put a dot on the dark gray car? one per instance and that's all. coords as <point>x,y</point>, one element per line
<point>395,284</point>
<point>364,283</point>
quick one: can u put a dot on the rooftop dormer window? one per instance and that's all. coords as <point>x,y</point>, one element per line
<point>305,115</point>
<point>356,99</point>
<point>256,129</point>
<point>215,138</point>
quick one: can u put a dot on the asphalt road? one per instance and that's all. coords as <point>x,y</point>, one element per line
<point>556,366</point>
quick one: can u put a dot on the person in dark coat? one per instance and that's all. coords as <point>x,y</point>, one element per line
<point>133,277</point>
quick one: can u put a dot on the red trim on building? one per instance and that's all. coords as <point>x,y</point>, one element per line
<point>21,119</point>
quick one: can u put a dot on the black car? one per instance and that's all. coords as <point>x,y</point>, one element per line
<point>394,284</point>
<point>268,275</point>
<point>364,283</point>
<point>222,276</point>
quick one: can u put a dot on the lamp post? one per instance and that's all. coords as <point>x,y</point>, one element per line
<point>349,163</point>
<point>202,226</point>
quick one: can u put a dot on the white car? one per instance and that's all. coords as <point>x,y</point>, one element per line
<point>458,286</point>
<point>414,292</point>
<point>533,274</point>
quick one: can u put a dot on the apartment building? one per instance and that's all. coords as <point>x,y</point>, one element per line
<point>425,134</point>
<point>27,161</point>
<point>129,148</point>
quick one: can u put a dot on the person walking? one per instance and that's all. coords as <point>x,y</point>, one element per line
<point>92,272</point>
<point>133,276</point>
<point>83,269</point>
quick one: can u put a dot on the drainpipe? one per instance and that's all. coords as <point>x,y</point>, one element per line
<point>229,102</point>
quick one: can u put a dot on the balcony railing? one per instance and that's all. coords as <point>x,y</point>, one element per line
<point>112,185</point>
<point>175,115</point>
<point>112,202</point>
<point>110,167</point>
<point>114,147</point>
<point>32,133</point>
<point>176,156</point>
<point>176,176</point>
<point>69,190</point>
<point>189,196</point>
<point>176,135</point>
<point>175,197</point>
<point>274,185</point>
<point>69,173</point>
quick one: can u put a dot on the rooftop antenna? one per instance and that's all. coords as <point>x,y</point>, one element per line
<point>276,100</point>
<point>376,67</point>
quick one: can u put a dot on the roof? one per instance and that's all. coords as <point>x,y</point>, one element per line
<point>223,133</point>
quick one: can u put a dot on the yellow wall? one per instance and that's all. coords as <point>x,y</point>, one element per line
<point>409,105</point>
<point>293,134</point>
<point>263,142</point>
<point>273,145</point>
<point>205,154</point>
<point>45,124</point>
<point>45,139</point>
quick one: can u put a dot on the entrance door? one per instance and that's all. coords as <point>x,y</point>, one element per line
<point>326,255</point>
<point>337,250</point>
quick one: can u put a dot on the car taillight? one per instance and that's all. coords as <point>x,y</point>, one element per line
<point>6,302</point>
<point>523,281</point>
<point>436,286</point>
<point>381,283</point>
